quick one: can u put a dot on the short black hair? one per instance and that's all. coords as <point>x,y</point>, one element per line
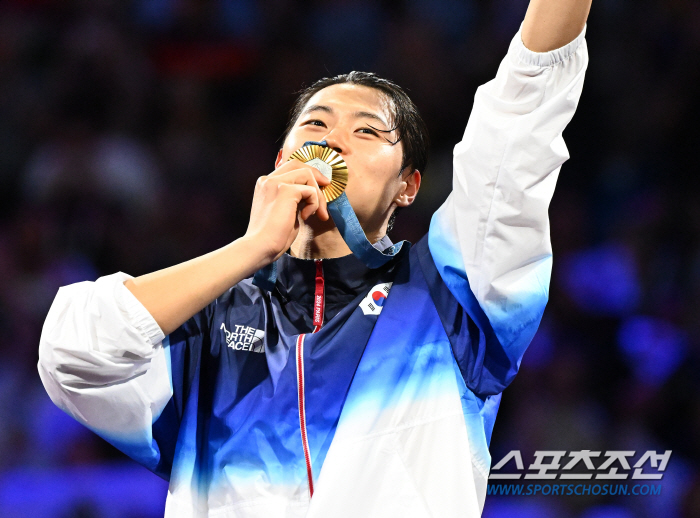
<point>409,125</point>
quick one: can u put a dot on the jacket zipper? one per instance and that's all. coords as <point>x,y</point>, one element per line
<point>319,309</point>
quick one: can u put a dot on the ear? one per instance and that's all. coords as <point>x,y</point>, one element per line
<point>278,160</point>
<point>410,186</point>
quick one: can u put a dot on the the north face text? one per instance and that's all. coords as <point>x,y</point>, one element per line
<point>244,338</point>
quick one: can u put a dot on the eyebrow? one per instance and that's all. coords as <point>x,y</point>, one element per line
<point>357,115</point>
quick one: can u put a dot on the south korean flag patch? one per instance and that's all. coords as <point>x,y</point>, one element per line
<point>373,303</point>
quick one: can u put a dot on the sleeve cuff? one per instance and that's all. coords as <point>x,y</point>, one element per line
<point>134,311</point>
<point>520,53</point>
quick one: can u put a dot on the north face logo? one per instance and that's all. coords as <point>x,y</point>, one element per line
<point>245,338</point>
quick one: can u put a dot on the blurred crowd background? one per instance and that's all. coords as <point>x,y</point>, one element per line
<point>131,136</point>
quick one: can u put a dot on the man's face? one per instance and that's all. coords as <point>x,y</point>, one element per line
<point>344,115</point>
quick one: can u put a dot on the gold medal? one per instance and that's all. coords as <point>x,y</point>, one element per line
<point>329,163</point>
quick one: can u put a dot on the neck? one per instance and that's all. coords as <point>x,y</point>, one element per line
<point>322,240</point>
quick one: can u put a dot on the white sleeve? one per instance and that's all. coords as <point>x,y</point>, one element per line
<point>490,239</point>
<point>102,360</point>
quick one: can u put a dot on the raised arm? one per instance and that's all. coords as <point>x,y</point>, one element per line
<point>490,239</point>
<point>550,24</point>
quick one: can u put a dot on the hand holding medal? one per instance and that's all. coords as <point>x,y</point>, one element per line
<point>329,163</point>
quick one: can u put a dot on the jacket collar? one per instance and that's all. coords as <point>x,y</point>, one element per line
<point>344,277</point>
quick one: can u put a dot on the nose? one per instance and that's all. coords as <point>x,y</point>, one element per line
<point>336,141</point>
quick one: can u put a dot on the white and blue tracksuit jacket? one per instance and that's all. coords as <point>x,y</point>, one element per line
<point>387,409</point>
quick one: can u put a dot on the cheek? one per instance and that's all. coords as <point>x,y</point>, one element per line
<point>372,186</point>
<point>385,170</point>
<point>296,138</point>
<point>291,144</point>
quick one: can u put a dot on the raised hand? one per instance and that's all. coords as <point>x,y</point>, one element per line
<point>282,199</point>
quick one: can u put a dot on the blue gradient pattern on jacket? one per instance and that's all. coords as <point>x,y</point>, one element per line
<point>241,407</point>
<point>234,414</point>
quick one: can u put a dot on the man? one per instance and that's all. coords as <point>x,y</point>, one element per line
<point>339,389</point>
